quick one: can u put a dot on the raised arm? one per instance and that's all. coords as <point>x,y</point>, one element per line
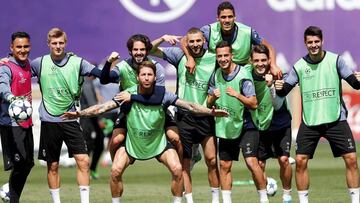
<point>274,68</point>
<point>171,39</point>
<point>190,63</point>
<point>106,74</point>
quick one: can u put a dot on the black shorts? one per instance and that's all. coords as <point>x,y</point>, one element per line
<point>52,135</point>
<point>338,134</point>
<point>274,144</point>
<point>121,120</point>
<point>248,141</point>
<point>167,147</point>
<point>193,130</point>
<point>17,147</point>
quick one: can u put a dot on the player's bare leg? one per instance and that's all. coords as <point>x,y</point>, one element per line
<point>83,176</point>
<point>172,133</point>
<point>118,137</point>
<point>171,160</point>
<point>352,175</point>
<point>210,151</point>
<point>120,163</point>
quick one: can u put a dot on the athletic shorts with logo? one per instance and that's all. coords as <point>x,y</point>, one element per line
<point>248,142</point>
<point>273,144</point>
<point>53,134</point>
<point>194,130</point>
<point>337,133</point>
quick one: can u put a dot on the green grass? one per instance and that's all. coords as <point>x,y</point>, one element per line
<point>149,181</point>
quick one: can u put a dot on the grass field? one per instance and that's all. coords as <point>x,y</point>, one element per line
<point>149,181</point>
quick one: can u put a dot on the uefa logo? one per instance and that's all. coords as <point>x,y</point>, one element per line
<point>170,9</point>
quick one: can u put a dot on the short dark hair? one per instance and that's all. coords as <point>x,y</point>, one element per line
<point>313,31</point>
<point>194,30</point>
<point>147,64</point>
<point>19,35</point>
<point>223,44</point>
<point>260,49</point>
<point>139,37</point>
<point>225,5</point>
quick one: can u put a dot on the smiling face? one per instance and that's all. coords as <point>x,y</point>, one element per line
<point>314,45</point>
<point>57,47</point>
<point>20,49</point>
<point>224,57</point>
<point>261,63</point>
<point>226,19</point>
<point>195,42</point>
<point>138,52</point>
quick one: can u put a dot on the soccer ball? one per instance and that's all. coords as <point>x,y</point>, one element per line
<point>20,110</point>
<point>4,192</point>
<point>271,186</point>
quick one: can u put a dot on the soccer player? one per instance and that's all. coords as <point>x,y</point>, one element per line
<point>272,121</point>
<point>60,77</point>
<point>194,129</point>
<point>146,121</point>
<point>125,73</point>
<point>232,89</point>
<point>16,138</point>
<point>319,75</point>
<point>241,37</point>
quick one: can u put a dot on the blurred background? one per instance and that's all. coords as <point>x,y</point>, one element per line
<point>96,28</point>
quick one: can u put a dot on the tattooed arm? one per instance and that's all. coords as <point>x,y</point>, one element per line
<point>199,109</point>
<point>92,110</point>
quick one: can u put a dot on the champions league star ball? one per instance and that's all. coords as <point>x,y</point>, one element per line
<point>271,186</point>
<point>20,110</point>
<point>4,192</point>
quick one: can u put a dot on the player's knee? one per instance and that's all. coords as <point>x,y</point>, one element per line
<point>351,161</point>
<point>176,171</point>
<point>301,162</point>
<point>83,161</point>
<point>225,166</point>
<point>284,161</point>
<point>53,167</point>
<point>262,164</point>
<point>211,161</point>
<point>116,172</point>
<point>252,163</point>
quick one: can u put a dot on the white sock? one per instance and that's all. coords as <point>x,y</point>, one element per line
<point>354,194</point>
<point>189,198</point>
<point>215,192</point>
<point>226,196</point>
<point>286,195</point>
<point>55,195</point>
<point>303,196</point>
<point>84,193</point>
<point>263,195</point>
<point>116,200</point>
<point>177,199</point>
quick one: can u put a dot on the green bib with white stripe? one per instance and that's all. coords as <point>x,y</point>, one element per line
<point>241,47</point>
<point>320,90</point>
<point>193,87</point>
<point>230,127</point>
<point>145,137</point>
<point>60,85</point>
